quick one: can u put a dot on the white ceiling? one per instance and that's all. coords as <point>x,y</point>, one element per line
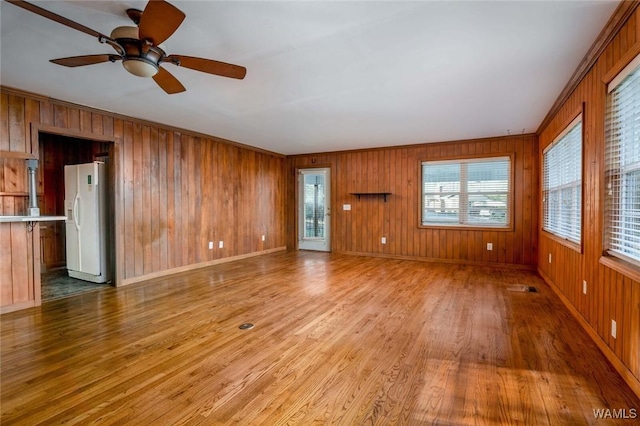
<point>323,75</point>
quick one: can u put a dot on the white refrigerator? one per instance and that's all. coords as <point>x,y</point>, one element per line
<point>85,204</point>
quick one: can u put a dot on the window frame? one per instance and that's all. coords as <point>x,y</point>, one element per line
<point>469,227</point>
<point>617,261</point>
<point>576,117</point>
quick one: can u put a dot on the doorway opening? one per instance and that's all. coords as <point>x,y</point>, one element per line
<point>314,209</point>
<point>56,152</point>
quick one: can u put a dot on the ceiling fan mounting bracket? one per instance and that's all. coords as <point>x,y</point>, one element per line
<point>139,50</point>
<point>113,43</point>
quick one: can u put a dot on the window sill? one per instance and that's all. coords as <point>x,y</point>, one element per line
<point>563,241</point>
<point>468,227</point>
<point>621,266</point>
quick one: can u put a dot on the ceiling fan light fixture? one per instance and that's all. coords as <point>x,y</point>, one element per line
<point>140,67</point>
<point>125,32</point>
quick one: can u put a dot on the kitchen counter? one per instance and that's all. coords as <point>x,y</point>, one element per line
<point>31,218</point>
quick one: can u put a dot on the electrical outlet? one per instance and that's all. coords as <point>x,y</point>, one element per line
<point>220,244</point>
<point>614,329</point>
<point>584,286</point>
<point>489,246</point>
<point>549,257</point>
<point>384,240</point>
<point>210,245</point>
<point>346,207</point>
<point>263,238</point>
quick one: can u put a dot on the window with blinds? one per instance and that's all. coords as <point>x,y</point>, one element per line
<point>468,192</point>
<point>562,184</point>
<point>622,164</point>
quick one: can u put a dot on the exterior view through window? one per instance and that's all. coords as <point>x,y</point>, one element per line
<point>468,192</point>
<point>314,206</point>
<point>622,173</point>
<point>562,184</point>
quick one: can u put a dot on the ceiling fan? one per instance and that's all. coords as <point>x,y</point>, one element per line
<point>140,48</point>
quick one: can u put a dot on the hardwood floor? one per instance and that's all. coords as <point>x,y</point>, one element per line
<point>337,340</point>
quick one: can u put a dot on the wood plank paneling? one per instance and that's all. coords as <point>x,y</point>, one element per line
<point>17,135</point>
<point>172,196</point>
<point>186,196</point>
<point>170,203</point>
<point>31,115</point>
<point>154,205</point>
<point>398,170</point>
<point>145,209</point>
<point>6,291</point>
<point>611,295</point>
<point>4,122</point>
<point>20,265</point>
<point>161,200</point>
<point>128,200</point>
<point>138,204</point>
<point>177,169</point>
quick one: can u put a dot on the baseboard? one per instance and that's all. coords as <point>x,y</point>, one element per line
<point>436,260</point>
<point>627,375</point>
<point>194,266</point>
<point>17,306</point>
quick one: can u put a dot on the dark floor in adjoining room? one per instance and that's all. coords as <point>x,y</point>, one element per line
<point>57,284</point>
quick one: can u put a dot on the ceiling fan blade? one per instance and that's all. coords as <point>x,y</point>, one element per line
<point>208,65</point>
<point>57,18</point>
<point>79,61</point>
<point>159,20</point>
<point>168,82</point>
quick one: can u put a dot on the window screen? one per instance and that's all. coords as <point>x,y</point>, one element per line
<point>562,184</point>
<point>622,170</point>
<point>469,192</point>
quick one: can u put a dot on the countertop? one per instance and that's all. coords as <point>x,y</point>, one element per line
<point>31,218</point>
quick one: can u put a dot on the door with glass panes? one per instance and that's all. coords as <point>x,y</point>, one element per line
<point>314,210</point>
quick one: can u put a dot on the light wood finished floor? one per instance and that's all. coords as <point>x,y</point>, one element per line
<point>337,340</point>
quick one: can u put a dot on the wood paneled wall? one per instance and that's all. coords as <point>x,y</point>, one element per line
<point>612,293</point>
<point>398,171</point>
<point>174,192</point>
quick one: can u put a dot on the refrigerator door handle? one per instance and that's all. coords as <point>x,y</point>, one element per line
<point>76,211</point>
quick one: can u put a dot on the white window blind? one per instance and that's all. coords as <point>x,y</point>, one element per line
<point>622,165</point>
<point>468,192</point>
<point>562,184</point>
